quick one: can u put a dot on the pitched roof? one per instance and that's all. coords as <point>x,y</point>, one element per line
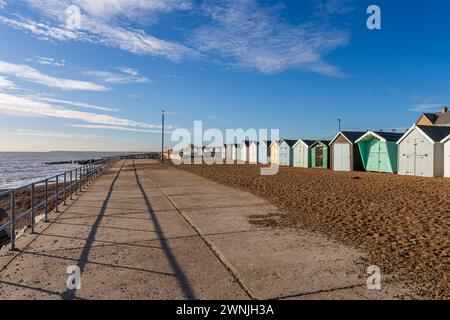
<point>438,118</point>
<point>381,135</point>
<point>325,142</point>
<point>443,119</point>
<point>389,136</point>
<point>290,143</point>
<point>447,138</point>
<point>351,136</point>
<point>435,133</point>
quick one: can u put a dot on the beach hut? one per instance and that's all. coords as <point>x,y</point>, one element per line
<point>224,152</point>
<point>421,152</point>
<point>253,152</point>
<point>344,152</point>
<point>302,153</point>
<point>229,152</point>
<point>285,153</point>
<point>244,151</point>
<point>378,151</point>
<point>446,142</point>
<point>319,154</point>
<point>274,152</point>
<point>264,152</point>
<point>234,152</point>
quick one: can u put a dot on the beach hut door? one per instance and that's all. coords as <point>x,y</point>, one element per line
<point>319,157</point>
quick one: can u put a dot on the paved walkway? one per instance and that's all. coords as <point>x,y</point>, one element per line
<point>146,232</point>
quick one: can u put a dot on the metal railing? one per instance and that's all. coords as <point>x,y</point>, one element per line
<point>48,194</point>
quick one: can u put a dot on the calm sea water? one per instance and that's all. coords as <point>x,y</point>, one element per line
<point>21,168</point>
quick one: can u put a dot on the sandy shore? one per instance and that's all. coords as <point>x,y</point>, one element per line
<point>401,222</point>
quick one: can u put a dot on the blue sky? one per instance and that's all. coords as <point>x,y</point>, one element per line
<point>292,65</point>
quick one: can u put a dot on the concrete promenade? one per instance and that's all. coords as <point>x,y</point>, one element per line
<point>142,231</point>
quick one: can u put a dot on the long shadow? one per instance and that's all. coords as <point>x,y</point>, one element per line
<point>181,277</point>
<point>70,294</point>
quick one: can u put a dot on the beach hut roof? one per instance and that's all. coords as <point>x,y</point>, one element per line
<point>350,136</point>
<point>432,133</point>
<point>307,143</point>
<point>381,135</point>
<point>289,142</point>
<point>274,142</point>
<point>324,142</point>
<point>447,138</point>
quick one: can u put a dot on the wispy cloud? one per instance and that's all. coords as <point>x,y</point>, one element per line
<point>30,74</point>
<point>51,134</point>
<point>426,107</point>
<point>5,83</point>
<point>100,24</point>
<point>115,128</point>
<point>77,104</point>
<point>333,7</point>
<point>50,61</point>
<point>28,107</point>
<point>126,75</point>
<point>256,37</point>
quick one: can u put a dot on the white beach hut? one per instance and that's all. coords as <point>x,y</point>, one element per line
<point>446,142</point>
<point>253,152</point>
<point>264,152</point>
<point>421,152</point>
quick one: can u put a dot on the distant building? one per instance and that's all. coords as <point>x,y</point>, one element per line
<point>441,119</point>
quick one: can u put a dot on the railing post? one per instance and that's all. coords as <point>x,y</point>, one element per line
<point>46,201</point>
<point>33,212</point>
<point>80,180</point>
<point>65,188</point>
<point>76,181</point>
<point>71,185</point>
<point>13,220</point>
<point>57,194</point>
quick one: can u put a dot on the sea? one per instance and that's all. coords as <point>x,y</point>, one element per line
<point>21,168</point>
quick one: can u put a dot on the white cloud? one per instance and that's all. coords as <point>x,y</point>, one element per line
<point>28,107</point>
<point>5,83</point>
<point>99,24</point>
<point>51,134</point>
<point>30,74</point>
<point>426,107</point>
<point>42,30</point>
<point>254,37</point>
<point>107,9</point>
<point>127,75</point>
<point>331,7</point>
<point>130,71</point>
<point>50,61</point>
<point>2,4</point>
<point>77,104</point>
<point>116,128</point>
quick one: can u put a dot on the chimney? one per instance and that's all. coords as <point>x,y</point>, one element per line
<point>444,109</point>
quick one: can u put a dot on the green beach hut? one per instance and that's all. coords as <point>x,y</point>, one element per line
<point>320,154</point>
<point>379,151</point>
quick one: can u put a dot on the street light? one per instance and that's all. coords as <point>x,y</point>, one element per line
<point>162,137</point>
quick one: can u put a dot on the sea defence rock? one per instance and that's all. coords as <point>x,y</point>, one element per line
<point>80,162</point>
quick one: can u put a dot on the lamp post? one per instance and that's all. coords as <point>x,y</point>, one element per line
<point>162,137</point>
<point>339,122</point>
